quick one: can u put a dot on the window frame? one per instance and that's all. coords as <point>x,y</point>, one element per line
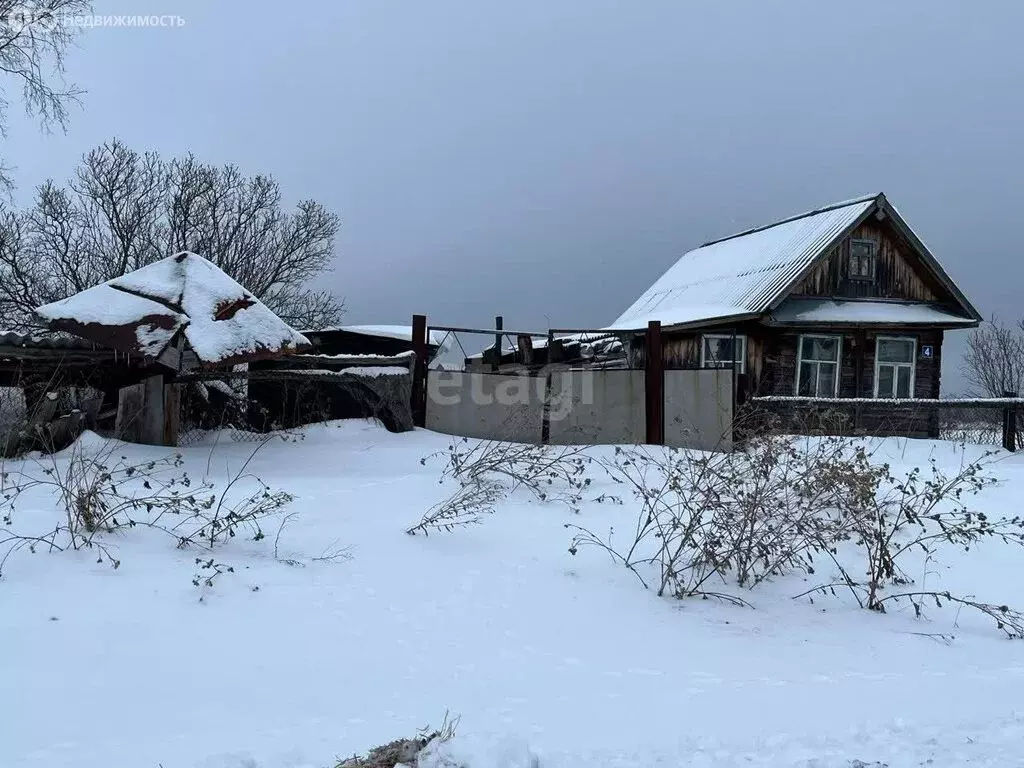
<point>838,362</point>
<point>874,260</point>
<point>741,339</point>
<point>912,365</point>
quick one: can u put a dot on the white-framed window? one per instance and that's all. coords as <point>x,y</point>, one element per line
<point>817,365</point>
<point>862,259</point>
<point>895,361</point>
<point>716,351</point>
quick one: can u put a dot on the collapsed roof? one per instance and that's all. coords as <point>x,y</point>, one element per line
<point>143,312</point>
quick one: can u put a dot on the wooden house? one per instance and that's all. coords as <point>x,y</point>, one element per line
<point>841,302</point>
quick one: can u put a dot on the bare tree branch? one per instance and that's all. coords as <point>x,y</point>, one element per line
<point>123,210</point>
<point>34,39</point>
<point>994,361</point>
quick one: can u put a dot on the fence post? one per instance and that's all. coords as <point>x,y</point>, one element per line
<point>654,384</point>
<point>499,323</point>
<point>1010,423</point>
<point>419,371</point>
<point>545,422</point>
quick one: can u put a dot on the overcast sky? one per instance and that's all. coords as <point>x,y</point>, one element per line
<point>547,159</point>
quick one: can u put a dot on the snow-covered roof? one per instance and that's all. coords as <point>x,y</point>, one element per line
<point>742,274</point>
<point>859,312</point>
<point>749,273</point>
<point>402,332</point>
<point>142,311</point>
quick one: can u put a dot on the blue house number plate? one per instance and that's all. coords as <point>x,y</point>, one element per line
<point>927,351</point>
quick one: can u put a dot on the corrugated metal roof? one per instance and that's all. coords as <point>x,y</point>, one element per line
<point>743,274</point>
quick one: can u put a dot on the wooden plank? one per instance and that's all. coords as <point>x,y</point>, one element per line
<point>130,402</point>
<point>525,344</point>
<point>419,371</point>
<point>172,414</point>
<point>140,412</point>
<point>1010,424</point>
<point>153,411</point>
<point>499,323</point>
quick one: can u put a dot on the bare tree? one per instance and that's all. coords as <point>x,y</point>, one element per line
<point>34,38</point>
<point>994,361</point>
<point>123,210</point>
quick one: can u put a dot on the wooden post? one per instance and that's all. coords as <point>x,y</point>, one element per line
<point>525,344</point>
<point>172,413</point>
<point>140,412</point>
<point>1010,424</point>
<point>545,419</point>
<point>499,323</point>
<point>419,370</point>
<point>654,384</point>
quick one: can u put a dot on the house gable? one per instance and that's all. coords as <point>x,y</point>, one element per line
<point>899,271</point>
<point>904,269</point>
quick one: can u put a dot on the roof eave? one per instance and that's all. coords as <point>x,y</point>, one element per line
<point>855,324</point>
<point>692,324</point>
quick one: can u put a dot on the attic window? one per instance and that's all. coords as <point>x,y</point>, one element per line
<point>862,259</point>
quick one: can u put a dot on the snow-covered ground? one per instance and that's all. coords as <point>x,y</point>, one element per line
<point>287,665</point>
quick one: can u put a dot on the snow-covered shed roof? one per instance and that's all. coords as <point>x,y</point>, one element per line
<point>142,312</point>
<point>749,273</point>
<point>401,332</point>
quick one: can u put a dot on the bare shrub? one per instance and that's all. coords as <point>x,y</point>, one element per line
<point>466,506</point>
<point>100,492</point>
<point>748,515</point>
<point>550,472</point>
<point>919,513</point>
<point>404,751</point>
<point>486,471</point>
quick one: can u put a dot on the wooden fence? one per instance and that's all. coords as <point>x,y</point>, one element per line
<point>975,420</point>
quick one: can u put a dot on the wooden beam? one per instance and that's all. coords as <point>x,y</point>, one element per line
<point>654,384</point>
<point>172,414</point>
<point>419,371</point>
